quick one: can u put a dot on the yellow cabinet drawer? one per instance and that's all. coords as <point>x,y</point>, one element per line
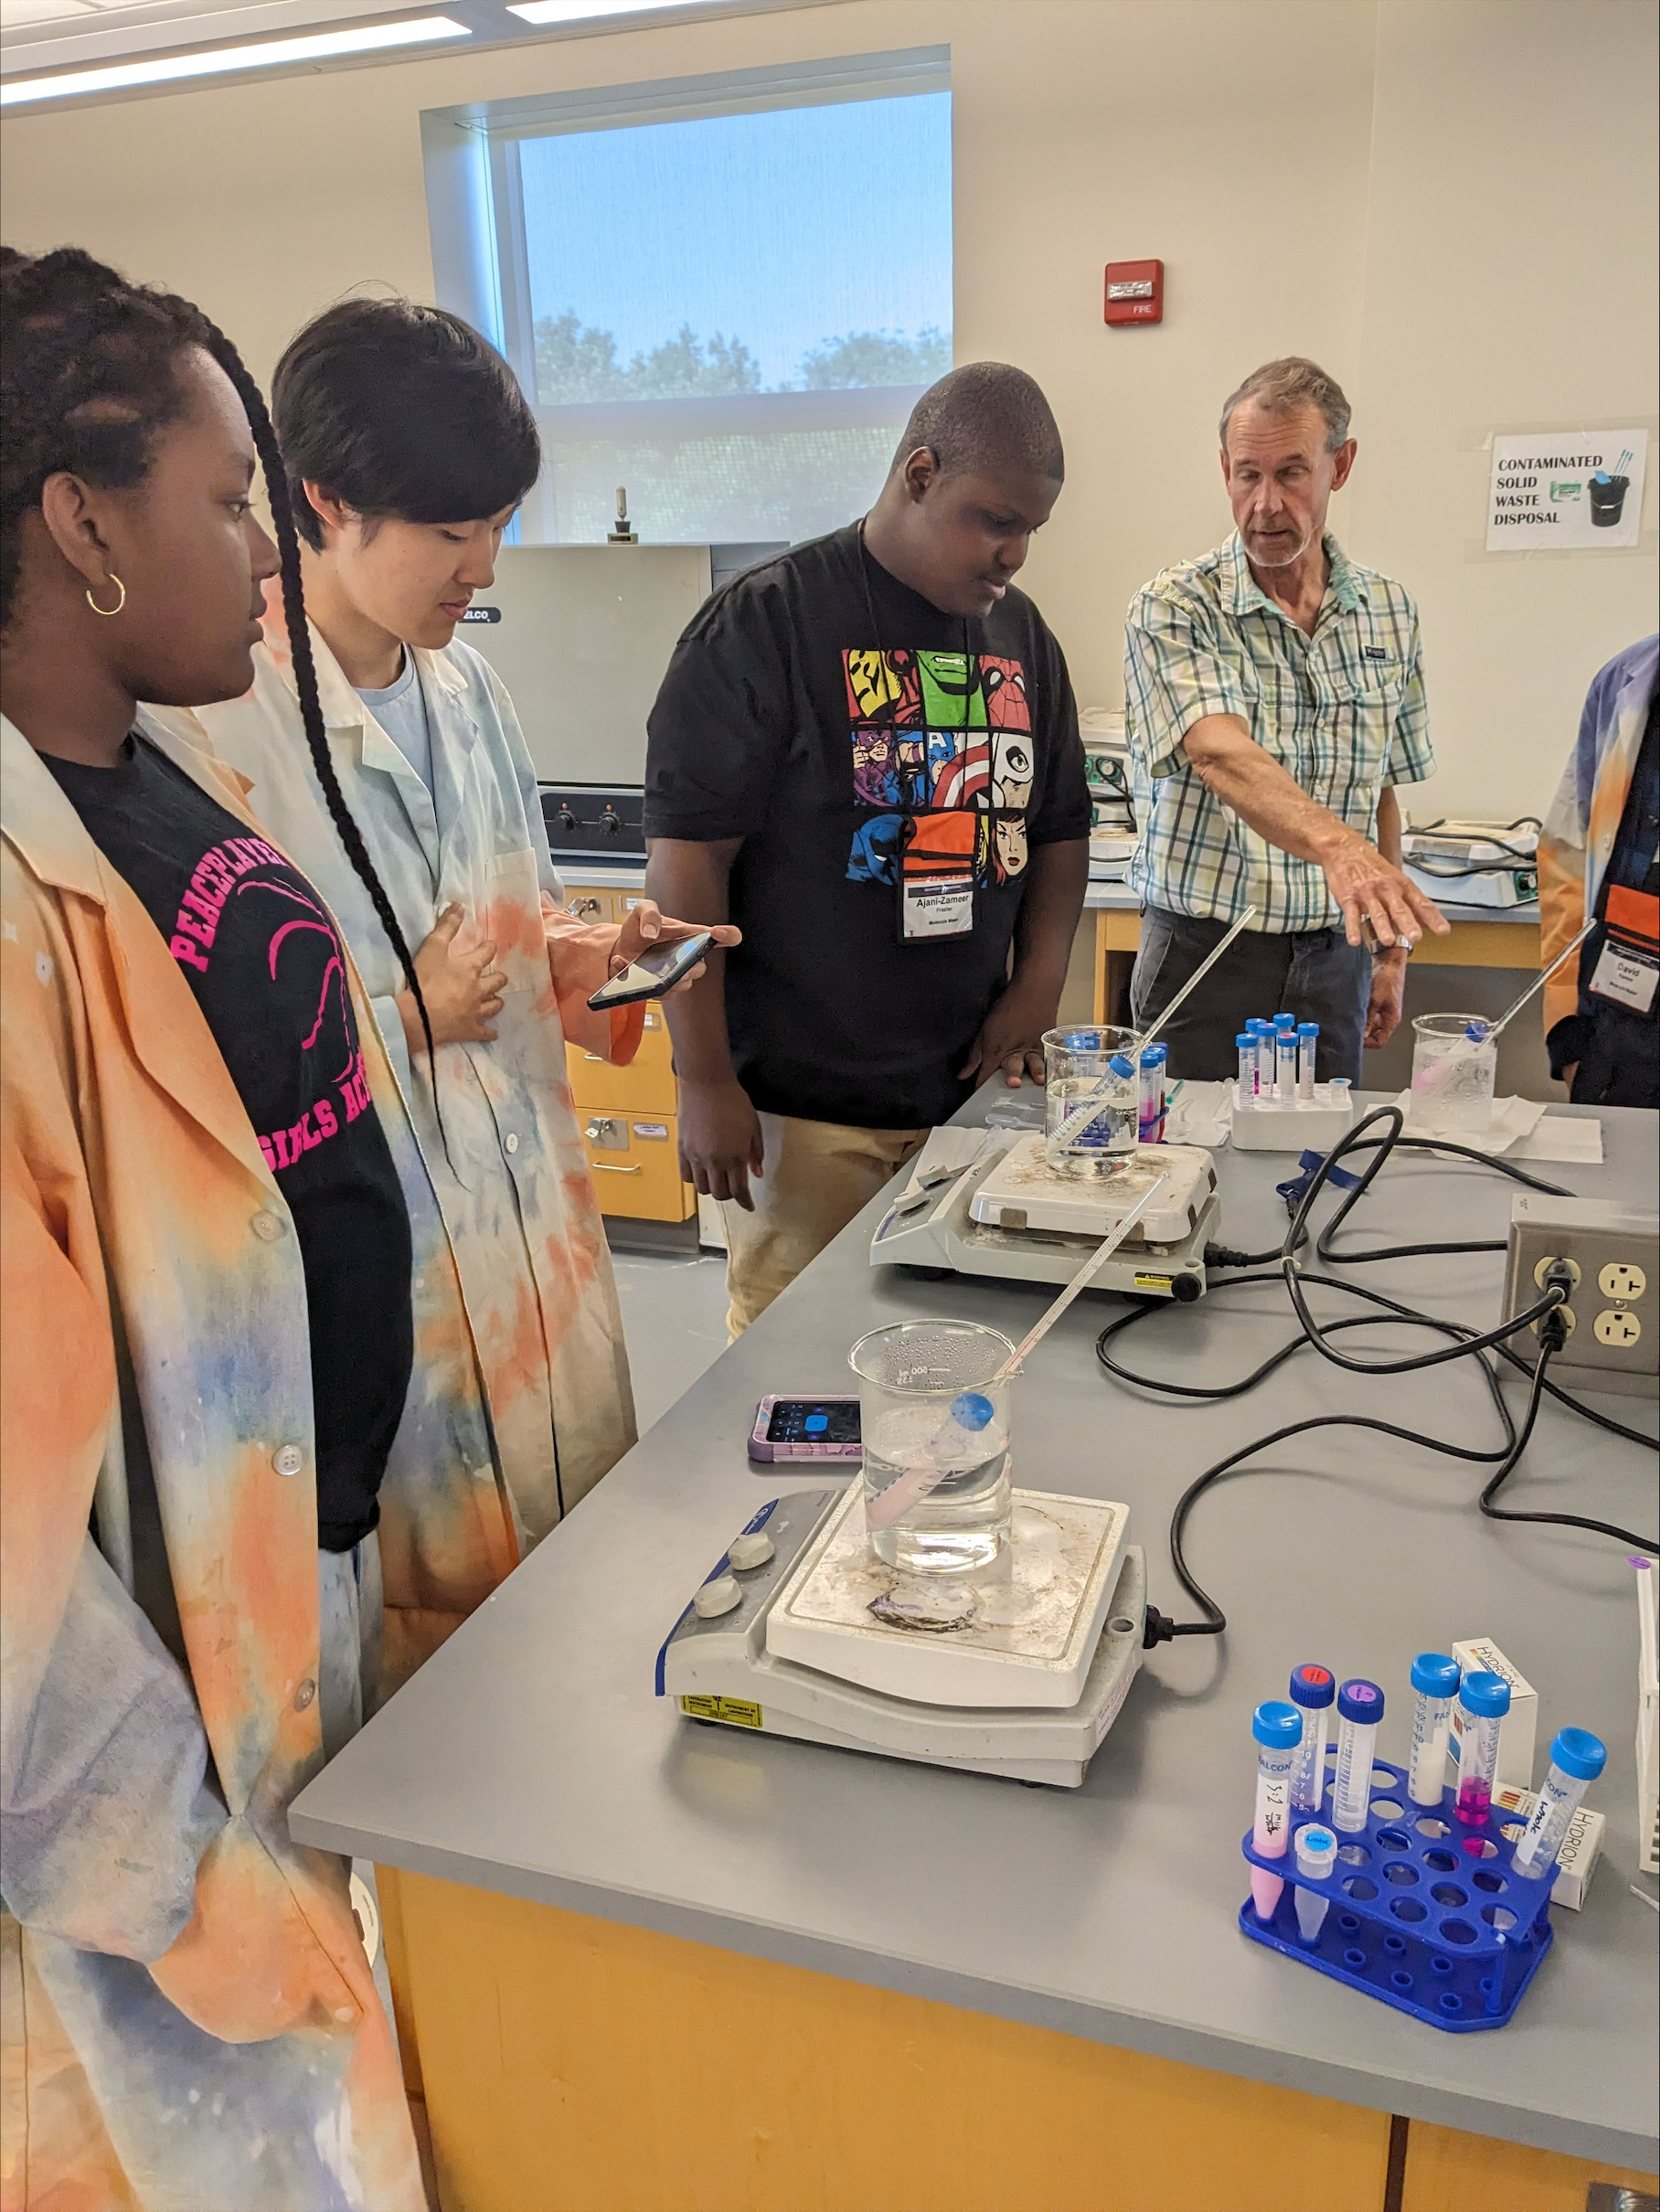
<point>645,1086</point>
<point>635,1160</point>
<point>590,902</point>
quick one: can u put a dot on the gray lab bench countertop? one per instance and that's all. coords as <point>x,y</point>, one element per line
<point>530,1756</point>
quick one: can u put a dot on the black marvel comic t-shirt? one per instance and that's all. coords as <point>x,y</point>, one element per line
<point>863,745</point>
<point>258,950</point>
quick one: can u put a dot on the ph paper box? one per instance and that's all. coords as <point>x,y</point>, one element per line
<point>1516,1731</point>
<point>1582,1847</point>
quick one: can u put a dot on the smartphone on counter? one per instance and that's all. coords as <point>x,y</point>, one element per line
<point>805,1429</point>
<point>657,970</point>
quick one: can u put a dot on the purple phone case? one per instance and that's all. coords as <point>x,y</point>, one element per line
<point>764,1451</point>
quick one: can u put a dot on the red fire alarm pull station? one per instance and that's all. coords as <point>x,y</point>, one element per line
<point>1135,292</point>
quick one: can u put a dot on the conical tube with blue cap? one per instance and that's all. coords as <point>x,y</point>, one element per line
<point>1278,1729</point>
<point>1436,1685</point>
<point>1313,1690</point>
<point>1576,1758</point>
<point>1484,1699</point>
<point>1359,1710</point>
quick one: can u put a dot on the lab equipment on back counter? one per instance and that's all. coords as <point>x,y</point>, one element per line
<point>1474,863</point>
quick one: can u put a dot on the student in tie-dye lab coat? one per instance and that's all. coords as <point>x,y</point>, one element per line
<point>1597,862</point>
<point>395,421</point>
<point>200,1381</point>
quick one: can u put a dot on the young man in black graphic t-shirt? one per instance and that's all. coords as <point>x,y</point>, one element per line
<point>866,753</point>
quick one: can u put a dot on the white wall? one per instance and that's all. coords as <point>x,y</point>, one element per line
<point>1512,268</point>
<point>1425,195</point>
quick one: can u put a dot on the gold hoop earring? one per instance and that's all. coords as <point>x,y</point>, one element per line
<point>120,603</point>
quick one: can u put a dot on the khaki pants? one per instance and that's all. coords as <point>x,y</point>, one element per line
<point>817,1176</point>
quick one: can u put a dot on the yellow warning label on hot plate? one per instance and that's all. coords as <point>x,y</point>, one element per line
<point>1153,1282</point>
<point>739,1711</point>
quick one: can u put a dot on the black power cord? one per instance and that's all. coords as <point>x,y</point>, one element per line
<point>1159,1627</point>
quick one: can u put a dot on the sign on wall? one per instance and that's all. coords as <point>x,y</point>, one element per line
<point>1569,489</point>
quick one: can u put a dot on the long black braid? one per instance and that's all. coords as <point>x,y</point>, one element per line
<point>306,675</point>
<point>86,379</point>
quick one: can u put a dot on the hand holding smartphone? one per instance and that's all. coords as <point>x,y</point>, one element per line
<point>657,970</point>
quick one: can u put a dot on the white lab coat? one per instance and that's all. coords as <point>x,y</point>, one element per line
<point>509,1170</point>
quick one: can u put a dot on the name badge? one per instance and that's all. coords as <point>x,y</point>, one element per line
<point>937,909</point>
<point>1626,976</point>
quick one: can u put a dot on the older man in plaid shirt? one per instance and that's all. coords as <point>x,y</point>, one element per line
<point>1275,697</point>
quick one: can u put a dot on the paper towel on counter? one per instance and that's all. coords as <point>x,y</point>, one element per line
<point>1199,1113</point>
<point>1562,1136</point>
<point>1520,1129</point>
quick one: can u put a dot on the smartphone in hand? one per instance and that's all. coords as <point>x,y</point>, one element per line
<point>654,973</point>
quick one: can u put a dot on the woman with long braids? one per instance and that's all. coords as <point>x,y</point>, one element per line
<point>221,1265</point>
<point>408,445</point>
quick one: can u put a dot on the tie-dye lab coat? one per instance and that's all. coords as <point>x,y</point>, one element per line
<point>1578,838</point>
<point>189,2021</point>
<point>509,1169</point>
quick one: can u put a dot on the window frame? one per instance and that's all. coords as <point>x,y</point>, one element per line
<point>481,261</point>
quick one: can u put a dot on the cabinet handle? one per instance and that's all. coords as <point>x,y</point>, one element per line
<point>604,1168</point>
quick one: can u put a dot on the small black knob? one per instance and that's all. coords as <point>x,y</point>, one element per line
<point>567,820</point>
<point>611,822</point>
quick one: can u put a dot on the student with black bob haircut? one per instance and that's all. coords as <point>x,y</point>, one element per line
<point>367,365</point>
<point>407,445</point>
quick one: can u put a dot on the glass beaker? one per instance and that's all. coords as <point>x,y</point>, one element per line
<point>935,1432</point>
<point>1453,1065</point>
<point>1079,1075</point>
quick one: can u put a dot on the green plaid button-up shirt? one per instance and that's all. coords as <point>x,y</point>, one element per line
<point>1343,712</point>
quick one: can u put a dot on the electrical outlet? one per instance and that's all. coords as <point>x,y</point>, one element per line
<point>1613,1253</point>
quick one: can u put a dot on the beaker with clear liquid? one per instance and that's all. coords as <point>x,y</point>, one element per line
<point>935,1428</point>
<point>1454,1062</point>
<point>1080,1074</point>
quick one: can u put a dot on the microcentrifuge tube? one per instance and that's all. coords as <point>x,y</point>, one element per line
<point>1316,1850</point>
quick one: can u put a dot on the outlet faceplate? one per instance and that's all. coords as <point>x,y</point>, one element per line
<point>1614,1309</point>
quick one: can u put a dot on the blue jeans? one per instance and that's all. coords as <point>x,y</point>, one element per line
<point>1315,975</point>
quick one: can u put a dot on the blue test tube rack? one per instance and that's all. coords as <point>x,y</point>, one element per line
<point>1424,1913</point>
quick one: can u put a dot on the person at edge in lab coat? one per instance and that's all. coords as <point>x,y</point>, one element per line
<point>227,1395</point>
<point>407,446</point>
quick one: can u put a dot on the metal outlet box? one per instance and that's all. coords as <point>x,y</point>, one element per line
<point>1614,1305</point>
